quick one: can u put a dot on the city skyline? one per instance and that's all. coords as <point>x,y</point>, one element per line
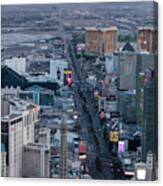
<point>79,91</point>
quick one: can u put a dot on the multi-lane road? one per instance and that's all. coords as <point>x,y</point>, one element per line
<point>100,163</point>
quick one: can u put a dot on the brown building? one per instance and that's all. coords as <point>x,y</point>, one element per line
<point>101,40</point>
<point>148,39</point>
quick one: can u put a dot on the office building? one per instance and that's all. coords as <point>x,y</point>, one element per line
<point>36,159</point>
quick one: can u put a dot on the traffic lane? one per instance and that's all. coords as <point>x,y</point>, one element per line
<point>78,78</point>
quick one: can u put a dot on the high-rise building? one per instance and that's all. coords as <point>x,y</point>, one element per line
<point>36,159</point>
<point>145,62</point>
<point>18,64</point>
<point>17,129</point>
<point>129,65</point>
<point>12,137</point>
<point>101,40</point>
<point>150,114</point>
<point>127,106</point>
<point>127,70</point>
<point>148,39</point>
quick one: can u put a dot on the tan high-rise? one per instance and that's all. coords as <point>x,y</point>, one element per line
<point>147,40</point>
<point>101,40</point>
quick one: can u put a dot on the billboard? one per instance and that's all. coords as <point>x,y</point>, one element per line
<point>114,136</point>
<point>121,146</point>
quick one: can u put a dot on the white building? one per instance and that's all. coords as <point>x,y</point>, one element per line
<point>57,68</point>
<point>18,64</point>
<point>44,136</point>
<point>36,159</point>
<point>18,130</point>
<point>109,63</point>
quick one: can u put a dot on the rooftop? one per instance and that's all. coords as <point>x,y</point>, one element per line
<point>128,47</point>
<point>12,116</point>
<point>104,29</point>
<point>147,28</point>
<point>36,146</point>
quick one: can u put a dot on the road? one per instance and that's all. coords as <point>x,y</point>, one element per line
<point>98,153</point>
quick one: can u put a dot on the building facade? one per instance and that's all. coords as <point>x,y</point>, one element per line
<point>148,39</point>
<point>18,64</point>
<point>150,121</point>
<point>36,159</point>
<point>127,70</point>
<point>44,136</point>
<point>3,161</point>
<point>38,95</point>
<point>57,68</point>
<point>17,129</point>
<point>101,40</point>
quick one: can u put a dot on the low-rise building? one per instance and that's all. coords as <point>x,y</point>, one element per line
<point>18,64</point>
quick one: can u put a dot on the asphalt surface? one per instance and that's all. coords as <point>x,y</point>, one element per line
<point>100,163</point>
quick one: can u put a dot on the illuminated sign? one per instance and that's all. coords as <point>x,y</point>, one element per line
<point>129,173</point>
<point>114,136</point>
<point>121,146</point>
<point>140,171</point>
<point>68,72</point>
<point>82,157</point>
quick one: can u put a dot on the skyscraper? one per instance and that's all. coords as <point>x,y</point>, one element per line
<point>127,70</point>
<point>101,40</point>
<point>17,129</point>
<point>148,39</point>
<point>150,121</point>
